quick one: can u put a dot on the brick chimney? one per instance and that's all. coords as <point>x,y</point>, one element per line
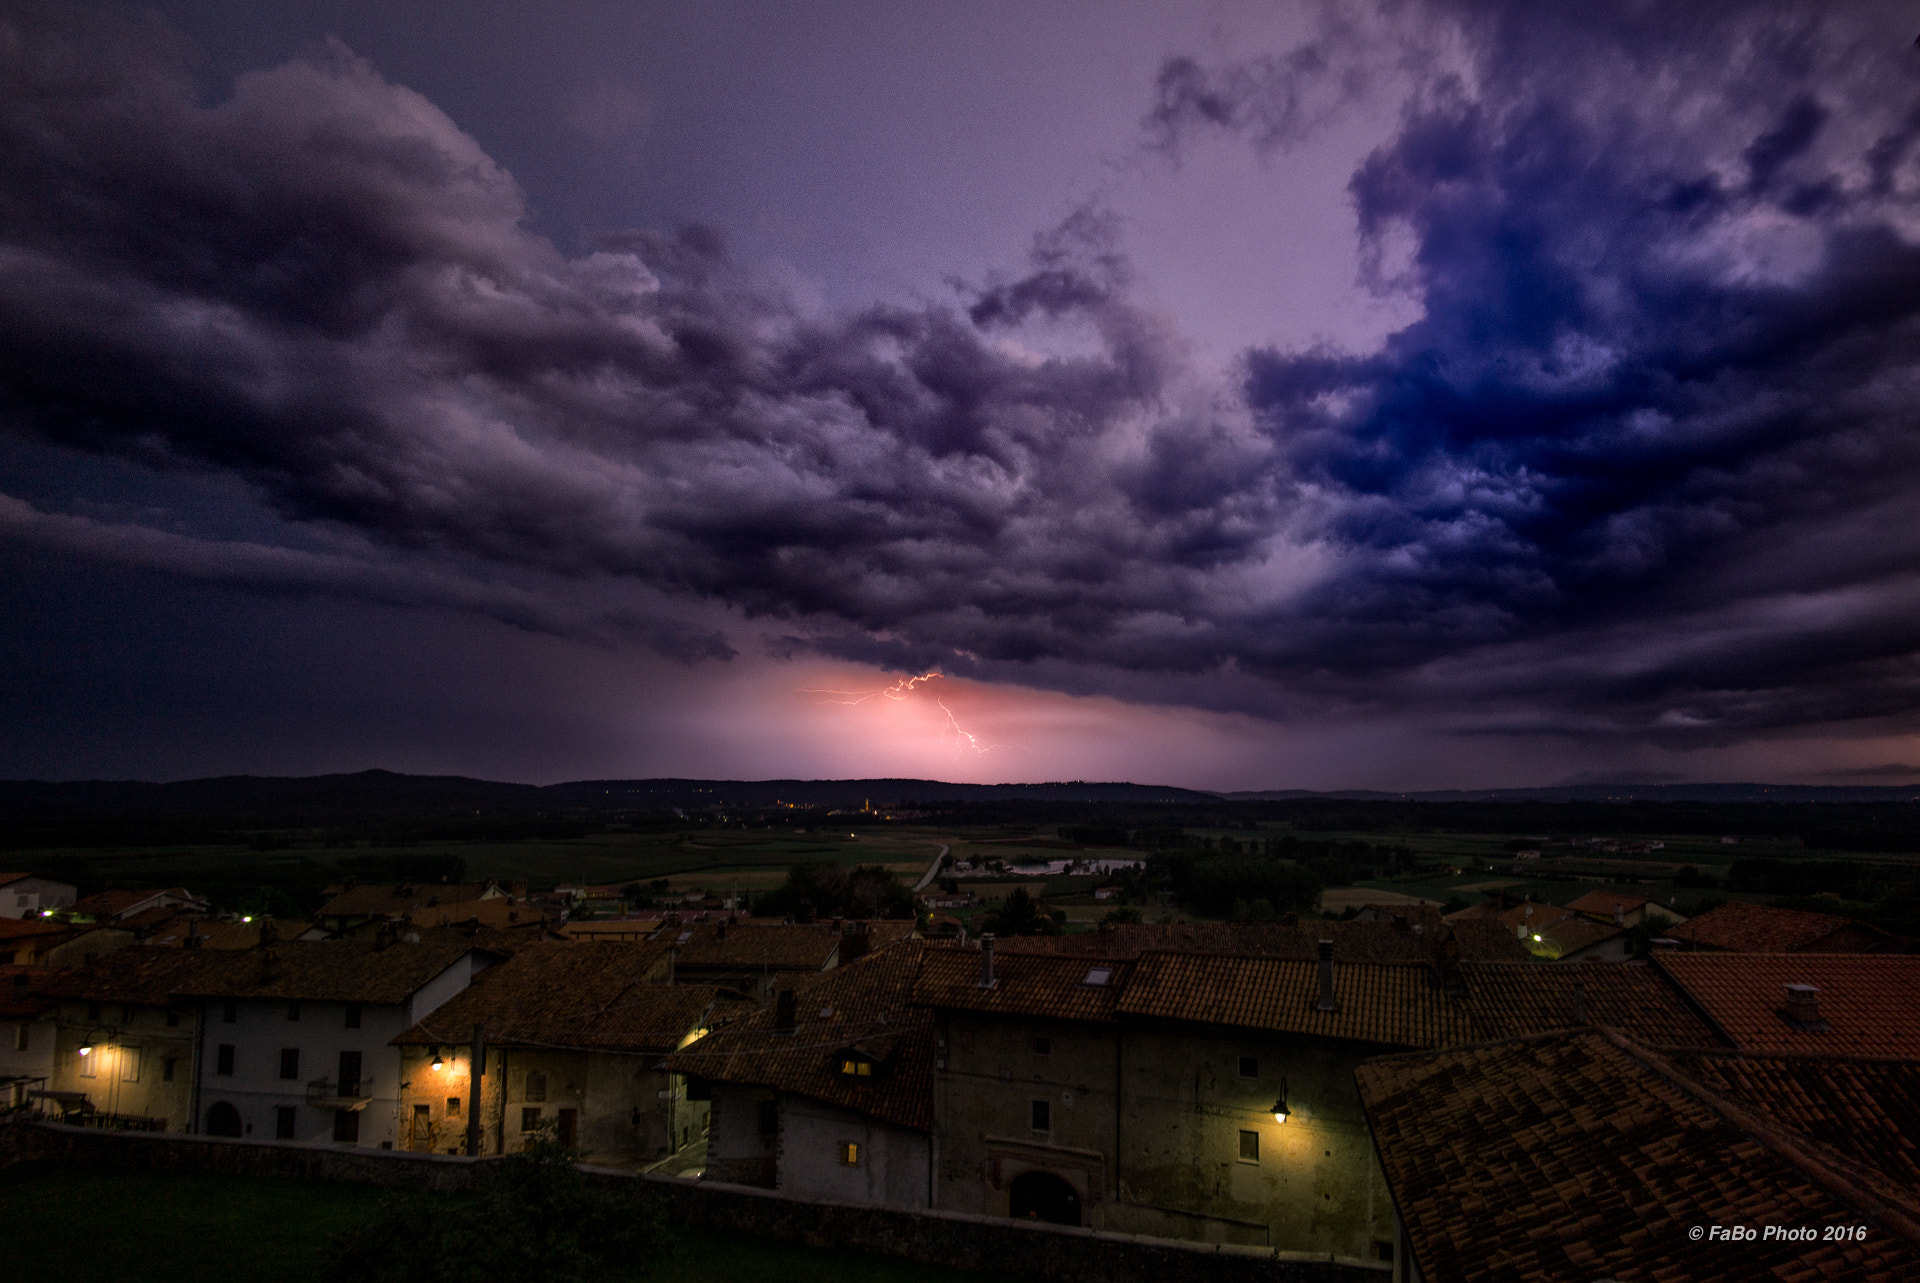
<point>785,1013</point>
<point>986,961</point>
<point>1803,1009</point>
<point>1327,1001</point>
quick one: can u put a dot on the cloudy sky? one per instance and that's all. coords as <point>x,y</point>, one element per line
<point>1226,395</point>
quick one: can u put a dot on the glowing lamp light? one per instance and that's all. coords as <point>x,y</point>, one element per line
<point>1536,939</point>
<point>437,1062</point>
<point>86,1049</point>
<point>1280,1110</point>
<point>248,918</point>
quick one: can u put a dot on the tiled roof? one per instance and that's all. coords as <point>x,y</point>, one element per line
<point>331,970</point>
<point>748,946</point>
<point>135,975</point>
<point>111,904</point>
<point>1739,927</point>
<point>391,901</point>
<point>1510,999</point>
<point>1870,1000</point>
<point>1394,1004</point>
<point>865,1005</point>
<point>18,999</point>
<point>1574,933</point>
<point>1485,940</point>
<point>1868,1109</point>
<point>1382,940</point>
<point>21,928</point>
<point>1047,985</point>
<point>1568,1157</point>
<point>1605,902</point>
<point>8,879</point>
<point>587,996</point>
<point>1531,915</point>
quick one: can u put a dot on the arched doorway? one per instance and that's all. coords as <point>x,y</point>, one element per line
<point>223,1119</point>
<point>1042,1196</point>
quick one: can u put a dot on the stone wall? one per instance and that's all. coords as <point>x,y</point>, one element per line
<point>1059,1254</point>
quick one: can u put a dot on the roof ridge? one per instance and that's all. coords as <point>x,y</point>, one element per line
<point>1814,1157</point>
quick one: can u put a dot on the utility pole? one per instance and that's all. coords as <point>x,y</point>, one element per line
<point>476,1070</point>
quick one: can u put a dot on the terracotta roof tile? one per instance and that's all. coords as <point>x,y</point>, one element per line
<point>136,975</point>
<point>374,901</point>
<point>1871,1001</point>
<point>1049,985</point>
<point>1574,933</point>
<point>864,1006</point>
<point>585,996</point>
<point>751,945</point>
<point>1381,940</point>
<point>1606,902</point>
<point>1738,927</point>
<point>20,994</point>
<point>1567,1157</point>
<point>330,970</point>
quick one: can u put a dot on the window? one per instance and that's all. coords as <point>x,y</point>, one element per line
<point>293,1011</point>
<point>289,1062</point>
<point>1043,1046</point>
<point>854,1067</point>
<point>223,1060</point>
<point>231,1012</point>
<point>353,1015</point>
<point>849,1154</point>
<point>537,1087</point>
<point>530,1120</point>
<point>453,1107</point>
<point>284,1121</point>
<point>1249,1147</point>
<point>1041,1115</point>
<point>1249,1066</point>
<point>166,1069</point>
<point>349,1073</point>
<point>769,1117</point>
<point>346,1126</point>
<point>129,1064</point>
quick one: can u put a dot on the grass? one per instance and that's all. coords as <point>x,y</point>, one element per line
<point>103,1227</point>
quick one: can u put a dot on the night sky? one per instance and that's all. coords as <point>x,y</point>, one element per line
<point>1221,395</point>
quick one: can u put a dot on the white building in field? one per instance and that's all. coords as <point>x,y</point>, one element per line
<point>28,895</point>
<point>296,1036</point>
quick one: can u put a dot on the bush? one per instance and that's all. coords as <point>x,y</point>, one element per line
<point>534,1219</point>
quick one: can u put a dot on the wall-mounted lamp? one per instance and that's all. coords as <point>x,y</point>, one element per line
<point>1280,1110</point>
<point>437,1062</point>
<point>86,1049</point>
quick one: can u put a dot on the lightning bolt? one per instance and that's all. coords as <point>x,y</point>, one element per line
<point>900,690</point>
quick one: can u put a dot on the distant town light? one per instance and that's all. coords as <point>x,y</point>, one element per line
<point>247,918</point>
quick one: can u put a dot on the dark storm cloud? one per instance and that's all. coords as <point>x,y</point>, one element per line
<point>1646,463</point>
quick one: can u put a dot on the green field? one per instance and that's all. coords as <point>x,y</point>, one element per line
<point>106,1227</point>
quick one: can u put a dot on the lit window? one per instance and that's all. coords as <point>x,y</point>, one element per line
<point>1249,1147</point>
<point>854,1067</point>
<point>849,1154</point>
<point>1041,1115</point>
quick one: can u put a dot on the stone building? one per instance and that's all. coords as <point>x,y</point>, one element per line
<point>296,1036</point>
<point>575,1036</point>
<point>124,1049</point>
<point>1208,1095</point>
<point>828,1092</point>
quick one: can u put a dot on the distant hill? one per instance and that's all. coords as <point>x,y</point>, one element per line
<point>1728,793</point>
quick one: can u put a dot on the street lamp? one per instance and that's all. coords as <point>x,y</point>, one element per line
<point>437,1062</point>
<point>1280,1110</point>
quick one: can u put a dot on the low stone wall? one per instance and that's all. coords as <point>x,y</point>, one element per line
<point>1053,1252</point>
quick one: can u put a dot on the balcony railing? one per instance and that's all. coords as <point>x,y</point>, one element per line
<point>326,1093</point>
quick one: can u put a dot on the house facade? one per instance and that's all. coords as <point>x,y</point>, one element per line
<point>124,1049</point>
<point>28,895</point>
<point>296,1037</point>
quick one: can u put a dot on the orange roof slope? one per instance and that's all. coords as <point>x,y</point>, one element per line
<point>330,970</point>
<point>1510,999</point>
<point>578,996</point>
<point>137,975</point>
<point>1379,940</point>
<point>1045,985</point>
<point>1870,1000</point>
<point>1569,1157</point>
<point>750,946</point>
<point>865,1006</point>
<point>1605,902</point>
<point>1738,927</point>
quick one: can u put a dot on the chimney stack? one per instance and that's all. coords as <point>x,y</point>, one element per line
<point>1327,1001</point>
<point>1579,1003</point>
<point>986,961</point>
<point>855,943</point>
<point>785,1012</point>
<point>1803,1007</point>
